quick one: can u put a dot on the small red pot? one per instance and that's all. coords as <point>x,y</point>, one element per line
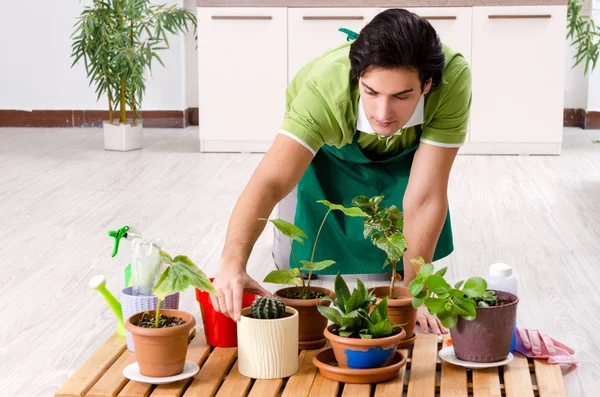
<point>220,330</point>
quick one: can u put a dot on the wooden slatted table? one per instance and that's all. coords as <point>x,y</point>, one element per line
<point>423,376</point>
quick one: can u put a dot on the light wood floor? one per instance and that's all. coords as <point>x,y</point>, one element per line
<point>60,193</point>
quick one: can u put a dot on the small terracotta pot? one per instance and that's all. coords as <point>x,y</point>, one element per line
<point>363,353</point>
<point>487,338</point>
<point>312,322</point>
<point>400,311</point>
<point>161,352</point>
<point>268,349</point>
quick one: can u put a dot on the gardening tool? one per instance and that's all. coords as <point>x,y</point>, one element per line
<point>99,283</point>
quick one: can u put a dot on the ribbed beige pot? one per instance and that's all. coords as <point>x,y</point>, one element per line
<point>268,349</point>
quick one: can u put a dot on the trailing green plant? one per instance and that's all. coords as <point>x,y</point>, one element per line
<point>585,35</point>
<point>357,315</point>
<point>294,233</point>
<point>179,274</point>
<point>384,226</point>
<point>267,307</point>
<point>443,300</point>
<point>118,40</point>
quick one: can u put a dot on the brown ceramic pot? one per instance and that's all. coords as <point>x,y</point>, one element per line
<point>311,322</point>
<point>487,338</point>
<point>161,352</point>
<point>400,311</point>
<point>363,353</point>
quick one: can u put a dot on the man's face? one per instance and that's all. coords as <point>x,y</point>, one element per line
<point>390,97</point>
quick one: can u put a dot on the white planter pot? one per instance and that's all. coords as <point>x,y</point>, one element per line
<point>122,137</point>
<point>268,349</point>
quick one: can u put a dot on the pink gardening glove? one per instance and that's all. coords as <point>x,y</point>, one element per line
<point>534,344</point>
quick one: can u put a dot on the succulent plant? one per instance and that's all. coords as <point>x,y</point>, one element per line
<point>267,308</point>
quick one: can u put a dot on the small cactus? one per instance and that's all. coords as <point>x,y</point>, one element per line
<point>267,308</point>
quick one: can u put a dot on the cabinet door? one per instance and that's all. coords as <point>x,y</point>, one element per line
<point>452,24</point>
<point>242,62</point>
<point>312,31</point>
<point>518,74</point>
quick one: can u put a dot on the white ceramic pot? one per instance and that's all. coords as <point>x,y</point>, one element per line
<point>268,349</point>
<point>123,137</point>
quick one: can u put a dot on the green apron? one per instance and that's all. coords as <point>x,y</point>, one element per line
<point>339,175</point>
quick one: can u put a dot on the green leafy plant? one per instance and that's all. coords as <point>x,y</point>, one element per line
<point>585,35</point>
<point>267,308</point>
<point>180,274</point>
<point>118,39</point>
<point>443,300</point>
<point>294,233</point>
<point>357,315</point>
<point>383,225</point>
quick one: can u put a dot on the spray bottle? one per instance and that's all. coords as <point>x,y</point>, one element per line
<point>500,278</point>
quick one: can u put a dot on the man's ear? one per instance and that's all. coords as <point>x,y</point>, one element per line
<point>427,86</point>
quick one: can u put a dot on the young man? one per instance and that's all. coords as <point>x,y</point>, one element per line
<point>383,115</point>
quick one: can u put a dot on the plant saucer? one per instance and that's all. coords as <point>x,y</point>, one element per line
<point>327,364</point>
<point>132,371</point>
<point>447,354</point>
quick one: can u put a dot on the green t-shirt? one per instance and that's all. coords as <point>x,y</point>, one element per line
<point>322,107</point>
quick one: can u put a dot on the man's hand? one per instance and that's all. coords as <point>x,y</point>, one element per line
<point>426,321</point>
<point>231,283</point>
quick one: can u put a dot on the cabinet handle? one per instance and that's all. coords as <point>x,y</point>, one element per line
<point>243,17</point>
<point>440,18</point>
<point>519,16</point>
<point>334,18</point>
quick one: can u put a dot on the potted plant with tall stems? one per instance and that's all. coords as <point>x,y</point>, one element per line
<point>118,40</point>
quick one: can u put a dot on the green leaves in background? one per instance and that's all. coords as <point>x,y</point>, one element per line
<point>284,276</point>
<point>180,275</point>
<point>355,212</point>
<point>288,229</point>
<point>585,35</point>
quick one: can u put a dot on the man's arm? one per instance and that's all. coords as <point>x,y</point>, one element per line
<point>425,203</point>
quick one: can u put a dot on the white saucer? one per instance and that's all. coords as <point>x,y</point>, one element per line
<point>132,371</point>
<point>447,354</point>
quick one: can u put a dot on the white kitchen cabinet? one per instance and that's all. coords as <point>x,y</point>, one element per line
<point>242,61</point>
<point>518,79</point>
<point>312,31</point>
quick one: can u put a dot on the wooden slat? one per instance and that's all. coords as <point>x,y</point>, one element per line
<point>113,380</point>
<point>549,379</point>
<point>88,374</point>
<point>299,384</point>
<point>351,390</point>
<point>235,384</point>
<point>517,379</point>
<point>422,371</point>
<point>136,389</point>
<point>266,388</point>
<point>198,352</point>
<point>486,383</point>
<point>454,378</point>
<point>394,387</point>
<point>323,387</point>
<point>208,380</point>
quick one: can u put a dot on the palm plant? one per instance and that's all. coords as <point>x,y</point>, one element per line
<point>118,39</point>
<point>585,35</point>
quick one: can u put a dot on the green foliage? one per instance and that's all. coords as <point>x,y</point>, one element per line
<point>118,41</point>
<point>443,300</point>
<point>585,35</point>
<point>351,312</point>
<point>267,308</point>
<point>180,274</point>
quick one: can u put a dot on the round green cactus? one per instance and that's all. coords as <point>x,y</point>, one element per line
<point>267,308</point>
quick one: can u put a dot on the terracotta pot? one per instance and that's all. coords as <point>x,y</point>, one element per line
<point>312,323</point>
<point>363,353</point>
<point>487,338</point>
<point>268,349</point>
<point>161,352</point>
<point>400,311</point>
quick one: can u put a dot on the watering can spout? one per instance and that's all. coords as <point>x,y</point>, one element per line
<point>99,283</point>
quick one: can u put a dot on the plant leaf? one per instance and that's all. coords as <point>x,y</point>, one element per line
<point>330,314</point>
<point>284,276</point>
<point>417,263</point>
<point>459,284</point>
<point>435,305</point>
<point>418,302</point>
<point>347,211</point>
<point>182,274</point>
<point>315,266</point>
<point>447,319</point>
<point>288,229</point>
<point>437,284</point>
<point>342,293</point>
<point>442,271</point>
<point>360,201</point>
<point>394,246</point>
<point>416,286</point>
<point>475,287</point>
